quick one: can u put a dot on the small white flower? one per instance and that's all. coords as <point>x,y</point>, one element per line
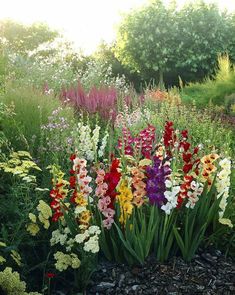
<point>79,210</point>
<point>168,183</point>
<point>167,208</point>
<point>93,229</point>
<point>80,238</point>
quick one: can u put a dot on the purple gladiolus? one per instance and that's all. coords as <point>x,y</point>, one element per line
<point>155,186</point>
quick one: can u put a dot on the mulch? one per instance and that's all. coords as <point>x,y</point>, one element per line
<point>209,273</point>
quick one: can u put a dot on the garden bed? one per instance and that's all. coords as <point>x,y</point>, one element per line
<point>209,273</point>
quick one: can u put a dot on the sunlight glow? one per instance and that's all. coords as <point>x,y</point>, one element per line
<point>85,22</point>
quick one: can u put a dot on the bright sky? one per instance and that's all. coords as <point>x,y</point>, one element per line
<point>85,22</point>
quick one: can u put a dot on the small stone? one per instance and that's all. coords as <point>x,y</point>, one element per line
<point>200,288</point>
<point>135,287</point>
<point>209,258</point>
<point>176,278</point>
<point>218,253</point>
<point>122,277</point>
<point>104,286</point>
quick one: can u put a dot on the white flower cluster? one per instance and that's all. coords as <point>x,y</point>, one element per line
<point>62,237</point>
<point>87,141</point>
<point>171,196</point>
<point>196,191</point>
<point>90,238</point>
<point>223,183</point>
<point>84,141</point>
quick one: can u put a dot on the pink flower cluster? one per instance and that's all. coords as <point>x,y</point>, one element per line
<point>104,202</point>
<point>141,143</point>
<point>83,181</point>
<point>102,101</point>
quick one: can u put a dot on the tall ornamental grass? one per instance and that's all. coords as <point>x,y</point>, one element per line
<point>215,90</point>
<point>31,110</point>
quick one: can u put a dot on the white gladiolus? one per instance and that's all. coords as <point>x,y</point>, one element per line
<point>88,142</point>
<point>171,196</point>
<point>103,145</point>
<point>223,184</point>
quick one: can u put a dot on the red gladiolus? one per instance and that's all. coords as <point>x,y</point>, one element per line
<point>195,151</point>
<point>143,142</point>
<point>169,135</point>
<point>187,157</point>
<point>184,133</point>
<point>72,157</point>
<point>185,186</point>
<point>56,216</point>
<point>185,145</point>
<point>112,179</point>
<point>72,181</point>
<point>187,168</point>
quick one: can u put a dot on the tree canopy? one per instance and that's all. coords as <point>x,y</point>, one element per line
<point>22,39</point>
<point>156,40</point>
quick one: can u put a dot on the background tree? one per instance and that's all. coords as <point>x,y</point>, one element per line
<point>22,39</point>
<point>105,54</point>
<point>156,40</point>
<point>203,33</point>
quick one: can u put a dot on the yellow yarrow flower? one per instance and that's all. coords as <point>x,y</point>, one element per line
<point>44,209</point>
<point>10,282</point>
<point>2,260</point>
<point>44,221</point>
<point>63,261</point>
<point>75,261</point>
<point>33,217</point>
<point>44,213</point>
<point>16,257</point>
<point>32,228</point>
